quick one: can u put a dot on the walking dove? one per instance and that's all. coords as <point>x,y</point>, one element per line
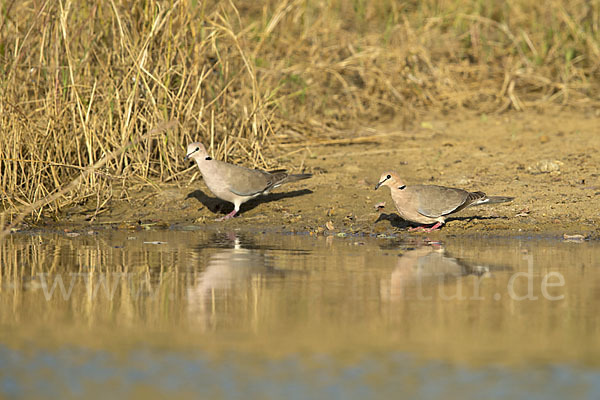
<point>431,204</point>
<point>234,183</point>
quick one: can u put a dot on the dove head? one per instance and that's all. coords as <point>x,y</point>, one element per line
<point>196,151</point>
<point>390,179</point>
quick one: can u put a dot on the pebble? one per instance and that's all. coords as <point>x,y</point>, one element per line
<point>544,167</point>
<point>573,238</point>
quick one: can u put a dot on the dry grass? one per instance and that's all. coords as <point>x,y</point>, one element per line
<point>81,80</point>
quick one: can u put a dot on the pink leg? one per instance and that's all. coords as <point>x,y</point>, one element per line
<point>228,216</point>
<point>433,228</point>
<point>422,228</point>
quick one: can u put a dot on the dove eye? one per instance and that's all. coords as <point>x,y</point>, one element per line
<point>389,177</point>
<point>197,148</point>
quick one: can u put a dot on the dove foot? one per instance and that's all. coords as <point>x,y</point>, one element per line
<point>424,229</point>
<point>228,216</point>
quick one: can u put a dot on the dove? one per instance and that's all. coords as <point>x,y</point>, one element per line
<point>432,204</point>
<point>234,183</point>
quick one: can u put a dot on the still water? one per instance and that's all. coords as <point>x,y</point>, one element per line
<point>231,314</point>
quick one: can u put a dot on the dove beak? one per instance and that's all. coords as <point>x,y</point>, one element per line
<point>188,156</point>
<point>379,184</point>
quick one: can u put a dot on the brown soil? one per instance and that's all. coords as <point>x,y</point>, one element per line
<point>547,161</point>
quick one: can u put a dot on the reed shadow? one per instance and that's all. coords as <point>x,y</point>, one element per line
<point>216,205</point>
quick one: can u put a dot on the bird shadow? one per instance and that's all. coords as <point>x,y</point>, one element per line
<point>475,218</point>
<point>216,205</point>
<point>397,222</point>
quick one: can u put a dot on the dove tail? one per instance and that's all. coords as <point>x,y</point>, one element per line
<point>480,198</point>
<point>281,177</point>
<point>499,199</point>
<point>294,178</point>
<point>492,200</point>
<point>297,177</point>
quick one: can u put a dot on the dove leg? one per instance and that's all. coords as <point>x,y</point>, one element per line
<point>433,228</point>
<point>422,228</point>
<point>236,208</point>
<point>228,216</point>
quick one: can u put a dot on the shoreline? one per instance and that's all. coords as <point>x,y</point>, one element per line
<point>548,162</point>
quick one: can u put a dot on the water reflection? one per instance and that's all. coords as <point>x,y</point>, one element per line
<point>238,266</point>
<point>427,265</point>
<point>474,301</point>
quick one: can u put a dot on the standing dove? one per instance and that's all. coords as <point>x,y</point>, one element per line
<point>431,204</point>
<point>234,183</point>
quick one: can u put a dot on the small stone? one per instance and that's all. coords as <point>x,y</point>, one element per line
<point>295,219</point>
<point>545,166</point>
<point>574,238</point>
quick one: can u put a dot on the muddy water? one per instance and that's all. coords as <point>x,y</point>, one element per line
<point>232,314</point>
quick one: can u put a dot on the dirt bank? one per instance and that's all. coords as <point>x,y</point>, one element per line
<point>548,161</point>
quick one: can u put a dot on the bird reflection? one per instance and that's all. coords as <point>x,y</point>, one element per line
<point>426,266</point>
<point>234,273</point>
